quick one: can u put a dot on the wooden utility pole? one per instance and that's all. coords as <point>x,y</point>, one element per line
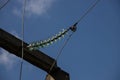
<point>36,57</point>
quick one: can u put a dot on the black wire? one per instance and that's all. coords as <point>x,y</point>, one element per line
<point>87,11</point>
<point>21,66</point>
<point>60,52</point>
<point>73,29</point>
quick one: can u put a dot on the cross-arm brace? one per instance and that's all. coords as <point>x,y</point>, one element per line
<point>37,58</point>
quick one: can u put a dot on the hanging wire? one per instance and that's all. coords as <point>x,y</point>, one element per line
<point>73,28</point>
<point>23,15</point>
<point>44,43</point>
<point>60,51</point>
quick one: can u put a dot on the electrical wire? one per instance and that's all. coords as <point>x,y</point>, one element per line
<point>87,11</point>
<point>73,28</point>
<point>21,65</point>
<point>60,51</point>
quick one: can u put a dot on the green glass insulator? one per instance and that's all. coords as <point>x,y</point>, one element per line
<point>51,42</point>
<point>59,38</point>
<point>63,36</point>
<point>31,48</point>
<point>43,45</point>
<point>47,44</point>
<point>33,44</point>
<point>29,45</point>
<point>41,42</point>
<point>37,43</point>
<point>55,40</point>
<point>36,48</point>
<point>48,40</point>
<point>52,38</point>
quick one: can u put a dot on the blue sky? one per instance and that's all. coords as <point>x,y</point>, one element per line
<point>91,54</point>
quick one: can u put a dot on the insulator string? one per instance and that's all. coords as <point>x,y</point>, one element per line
<point>44,43</point>
<point>41,44</point>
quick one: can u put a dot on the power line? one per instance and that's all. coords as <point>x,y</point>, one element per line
<point>87,11</point>
<point>73,28</point>
<point>60,52</point>
<point>23,16</point>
